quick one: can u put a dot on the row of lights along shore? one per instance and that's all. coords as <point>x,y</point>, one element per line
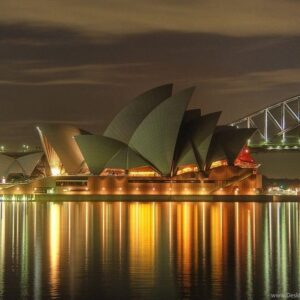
<point>120,190</point>
<point>186,190</point>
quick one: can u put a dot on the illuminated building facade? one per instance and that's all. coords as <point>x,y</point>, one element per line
<point>155,146</point>
<point>61,150</point>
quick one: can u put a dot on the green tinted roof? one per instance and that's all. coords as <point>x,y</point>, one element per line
<point>156,136</point>
<point>97,151</point>
<point>102,152</point>
<point>130,117</point>
<point>195,138</point>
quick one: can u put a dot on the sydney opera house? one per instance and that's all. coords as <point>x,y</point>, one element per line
<point>154,146</point>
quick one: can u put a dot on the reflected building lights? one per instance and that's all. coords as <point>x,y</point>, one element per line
<point>86,234</point>
<point>186,244</point>
<point>195,240</point>
<point>277,249</point>
<point>249,259</point>
<point>24,251</point>
<point>237,250</point>
<point>283,262</point>
<point>181,242</point>
<point>54,244</point>
<point>254,225</point>
<point>37,258</point>
<point>270,226</point>
<point>142,243</point>
<point>267,266</point>
<point>170,206</point>
<point>13,229</point>
<point>203,229</point>
<point>216,247</point>
<point>2,245</point>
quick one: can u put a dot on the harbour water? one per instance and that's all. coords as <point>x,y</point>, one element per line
<point>149,250</point>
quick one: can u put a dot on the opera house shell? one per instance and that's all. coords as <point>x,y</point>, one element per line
<point>19,165</point>
<point>154,145</point>
<point>61,150</point>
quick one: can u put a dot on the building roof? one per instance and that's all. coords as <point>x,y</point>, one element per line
<point>195,136</point>
<point>227,142</point>
<point>60,147</point>
<point>23,163</point>
<point>155,130</point>
<point>101,152</point>
<point>124,125</point>
<point>156,136</point>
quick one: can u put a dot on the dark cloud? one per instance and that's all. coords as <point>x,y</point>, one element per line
<point>59,73</point>
<point>115,17</point>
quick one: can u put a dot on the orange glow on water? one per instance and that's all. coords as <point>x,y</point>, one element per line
<point>54,243</point>
<point>142,240</point>
<point>216,244</point>
<point>187,242</point>
<point>2,243</point>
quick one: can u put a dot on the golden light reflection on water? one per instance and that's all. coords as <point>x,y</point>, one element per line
<point>54,247</point>
<point>149,250</point>
<point>216,246</point>
<point>142,243</point>
<point>2,248</point>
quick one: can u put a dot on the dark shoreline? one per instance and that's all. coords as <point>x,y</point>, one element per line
<point>151,198</point>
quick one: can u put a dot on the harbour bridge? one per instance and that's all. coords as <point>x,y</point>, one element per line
<point>277,126</point>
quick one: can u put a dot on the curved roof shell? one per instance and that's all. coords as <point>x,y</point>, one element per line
<point>155,138</point>
<point>233,140</point>
<point>23,164</point>
<point>156,130</point>
<point>101,152</point>
<point>227,142</point>
<point>195,138</point>
<point>131,116</point>
<point>61,138</point>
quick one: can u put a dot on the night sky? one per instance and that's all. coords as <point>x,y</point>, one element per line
<point>81,61</point>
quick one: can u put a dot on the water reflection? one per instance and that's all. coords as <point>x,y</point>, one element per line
<point>149,250</point>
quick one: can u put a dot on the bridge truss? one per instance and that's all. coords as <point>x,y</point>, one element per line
<point>277,125</point>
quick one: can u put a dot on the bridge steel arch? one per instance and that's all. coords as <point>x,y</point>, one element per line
<point>277,125</point>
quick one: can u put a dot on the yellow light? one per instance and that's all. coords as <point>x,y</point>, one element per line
<point>55,171</point>
<point>142,173</point>
<point>187,169</point>
<point>54,242</point>
<point>218,163</point>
